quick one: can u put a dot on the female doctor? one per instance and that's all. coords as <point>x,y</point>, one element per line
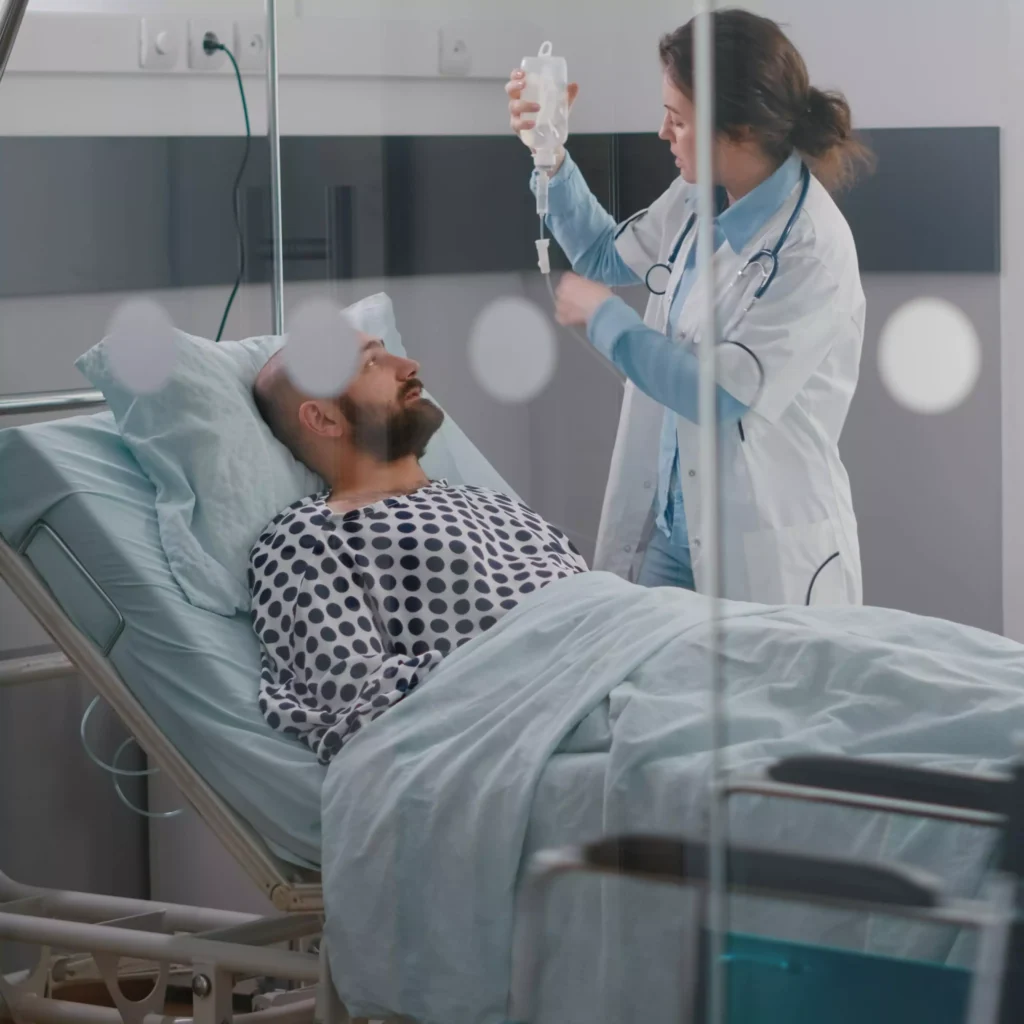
<point>789,353</point>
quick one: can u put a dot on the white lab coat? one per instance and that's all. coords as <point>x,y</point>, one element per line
<point>786,504</point>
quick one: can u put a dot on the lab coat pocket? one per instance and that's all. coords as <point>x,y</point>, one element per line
<point>795,565</point>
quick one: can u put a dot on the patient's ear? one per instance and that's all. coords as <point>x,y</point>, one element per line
<point>322,417</point>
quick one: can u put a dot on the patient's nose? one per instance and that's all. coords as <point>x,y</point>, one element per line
<point>408,368</point>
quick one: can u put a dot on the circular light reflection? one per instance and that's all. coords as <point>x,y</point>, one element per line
<point>322,351</point>
<point>929,356</point>
<point>140,346</point>
<point>512,350</point>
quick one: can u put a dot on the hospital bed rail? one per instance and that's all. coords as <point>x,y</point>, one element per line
<point>34,668</point>
<point>969,799</point>
<point>50,401</point>
<point>162,942</point>
<point>997,993</point>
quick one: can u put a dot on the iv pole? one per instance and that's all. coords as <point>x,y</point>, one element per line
<point>274,139</point>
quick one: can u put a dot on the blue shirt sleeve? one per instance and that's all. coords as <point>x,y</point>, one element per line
<point>661,368</point>
<point>583,228</point>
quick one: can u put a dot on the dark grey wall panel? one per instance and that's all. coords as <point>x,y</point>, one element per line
<point>94,214</point>
<point>932,205</point>
<point>81,215</point>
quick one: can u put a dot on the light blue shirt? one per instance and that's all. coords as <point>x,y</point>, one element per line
<point>656,364</point>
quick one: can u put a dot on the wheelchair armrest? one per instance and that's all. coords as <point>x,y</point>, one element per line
<point>766,872</point>
<point>986,793</point>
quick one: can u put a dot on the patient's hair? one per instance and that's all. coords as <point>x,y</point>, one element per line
<point>278,401</point>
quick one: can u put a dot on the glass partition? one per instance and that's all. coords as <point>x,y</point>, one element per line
<point>602,602</point>
<point>860,455</point>
<point>837,717</point>
<point>134,207</point>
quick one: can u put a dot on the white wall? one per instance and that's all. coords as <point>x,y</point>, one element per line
<point>915,62</point>
<point>902,63</point>
<point>325,88</point>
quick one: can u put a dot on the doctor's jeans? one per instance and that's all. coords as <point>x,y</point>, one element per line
<point>667,560</point>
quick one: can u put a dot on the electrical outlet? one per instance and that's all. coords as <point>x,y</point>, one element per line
<point>198,58</point>
<point>455,57</point>
<point>250,44</point>
<point>160,42</point>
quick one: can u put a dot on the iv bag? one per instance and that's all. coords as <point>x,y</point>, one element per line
<point>547,83</point>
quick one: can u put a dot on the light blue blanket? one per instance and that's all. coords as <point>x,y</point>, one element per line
<point>585,711</point>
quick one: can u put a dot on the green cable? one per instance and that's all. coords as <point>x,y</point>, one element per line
<point>235,192</point>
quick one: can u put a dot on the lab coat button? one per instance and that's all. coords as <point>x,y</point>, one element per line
<point>647,485</point>
<point>693,472</point>
<point>628,548</point>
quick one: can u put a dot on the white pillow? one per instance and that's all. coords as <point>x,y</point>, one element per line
<point>220,474</point>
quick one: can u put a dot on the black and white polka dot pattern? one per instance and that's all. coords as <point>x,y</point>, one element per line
<point>353,611</point>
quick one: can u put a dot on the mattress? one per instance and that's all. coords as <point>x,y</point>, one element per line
<point>196,673</point>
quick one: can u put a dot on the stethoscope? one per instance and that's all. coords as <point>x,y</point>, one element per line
<point>764,260</point>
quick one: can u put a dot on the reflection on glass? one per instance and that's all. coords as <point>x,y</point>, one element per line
<point>323,350</point>
<point>140,346</point>
<point>512,350</point>
<point>929,356</point>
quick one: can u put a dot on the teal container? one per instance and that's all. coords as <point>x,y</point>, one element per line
<point>774,982</point>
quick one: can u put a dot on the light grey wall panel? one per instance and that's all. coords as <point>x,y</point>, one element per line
<point>572,432</point>
<point>928,489</point>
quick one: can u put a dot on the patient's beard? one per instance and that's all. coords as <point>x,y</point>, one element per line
<point>392,434</point>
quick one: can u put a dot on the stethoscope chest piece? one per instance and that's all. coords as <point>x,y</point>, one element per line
<point>658,278</point>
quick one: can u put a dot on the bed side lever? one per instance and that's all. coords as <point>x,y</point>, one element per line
<point>987,793</point>
<point>766,872</point>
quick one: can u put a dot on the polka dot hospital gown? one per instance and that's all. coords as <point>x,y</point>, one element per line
<point>354,610</point>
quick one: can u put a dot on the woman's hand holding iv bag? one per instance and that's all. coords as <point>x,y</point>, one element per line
<point>520,111</point>
<point>577,299</point>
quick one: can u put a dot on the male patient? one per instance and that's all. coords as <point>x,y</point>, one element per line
<point>360,591</point>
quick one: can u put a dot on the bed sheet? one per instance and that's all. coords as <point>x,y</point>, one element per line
<point>584,713</point>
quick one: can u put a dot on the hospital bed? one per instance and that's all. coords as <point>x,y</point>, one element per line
<point>79,546</point>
